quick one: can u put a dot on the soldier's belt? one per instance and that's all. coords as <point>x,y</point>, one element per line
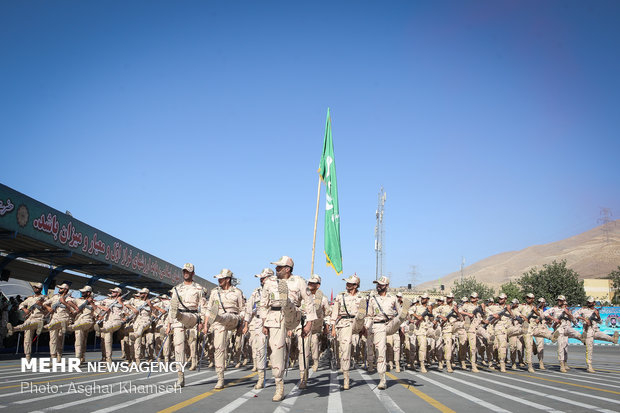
<point>189,311</point>
<point>276,308</point>
<point>380,322</point>
<point>346,317</point>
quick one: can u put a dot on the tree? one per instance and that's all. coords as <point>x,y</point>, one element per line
<point>614,276</point>
<point>469,285</point>
<point>512,291</point>
<point>552,280</point>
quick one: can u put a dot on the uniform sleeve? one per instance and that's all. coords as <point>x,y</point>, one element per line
<point>335,309</point>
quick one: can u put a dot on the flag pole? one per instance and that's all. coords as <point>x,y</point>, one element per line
<point>316,218</point>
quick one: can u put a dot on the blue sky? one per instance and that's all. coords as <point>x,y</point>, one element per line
<point>193,130</point>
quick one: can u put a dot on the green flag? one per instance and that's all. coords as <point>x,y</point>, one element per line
<point>327,171</point>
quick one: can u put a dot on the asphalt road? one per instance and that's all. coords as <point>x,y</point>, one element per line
<point>462,391</point>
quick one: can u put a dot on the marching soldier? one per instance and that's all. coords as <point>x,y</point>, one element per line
<point>143,309</point>
<point>502,316</point>
<point>111,319</point>
<point>384,320</point>
<point>393,341</point>
<point>34,310</point>
<point>473,312</point>
<point>225,304</point>
<point>83,310</point>
<point>322,308</point>
<point>184,315</point>
<point>347,318</point>
<point>448,316</point>
<point>162,340</point>
<point>254,324</point>
<point>421,314</point>
<point>562,321</point>
<point>280,307</point>
<point>57,306</point>
<point>590,317</point>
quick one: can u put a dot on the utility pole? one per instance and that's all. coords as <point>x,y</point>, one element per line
<point>462,267</point>
<point>379,233</point>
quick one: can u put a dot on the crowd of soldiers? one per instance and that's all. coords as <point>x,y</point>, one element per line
<point>288,321</point>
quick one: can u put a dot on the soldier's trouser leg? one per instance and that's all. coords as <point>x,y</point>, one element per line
<point>28,337</point>
<point>277,343</point>
<point>55,339</point>
<point>562,346</point>
<point>258,348</point>
<point>107,347</point>
<point>220,340</point>
<point>463,343</point>
<point>389,348</point>
<point>379,342</point>
<point>315,345</point>
<point>80,342</point>
<point>472,341</point>
<point>447,346</point>
<point>529,344</point>
<point>343,335</point>
<point>396,341</point>
<point>370,349</point>
<point>305,342</point>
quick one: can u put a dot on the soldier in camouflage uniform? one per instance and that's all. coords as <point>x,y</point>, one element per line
<point>225,305</point>
<point>590,317</point>
<point>33,307</point>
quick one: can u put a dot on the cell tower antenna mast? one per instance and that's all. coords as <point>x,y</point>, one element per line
<point>380,233</point>
<point>462,267</point>
<point>605,219</point>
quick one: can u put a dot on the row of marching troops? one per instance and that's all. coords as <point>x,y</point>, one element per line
<point>288,320</point>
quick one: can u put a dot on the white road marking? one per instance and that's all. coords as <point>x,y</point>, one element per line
<point>549,396</point>
<point>554,388</point>
<point>382,395</point>
<point>469,397</point>
<point>508,396</point>
<point>241,400</point>
<point>334,402</point>
<point>567,377</point>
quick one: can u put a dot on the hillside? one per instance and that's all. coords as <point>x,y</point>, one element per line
<point>589,254</point>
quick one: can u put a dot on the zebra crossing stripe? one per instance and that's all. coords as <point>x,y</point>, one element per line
<point>469,397</point>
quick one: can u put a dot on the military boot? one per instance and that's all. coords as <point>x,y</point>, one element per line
<point>530,368</point>
<point>174,308</point>
<point>261,380</point>
<point>404,311</point>
<point>194,364</point>
<point>463,365</point>
<point>9,327</point>
<point>562,367</point>
<point>397,367</point>
<point>502,366</point>
<point>590,369</point>
<point>279,395</point>
<point>181,379</point>
<point>474,368</point>
<point>449,367</point>
<point>491,366</point>
<point>382,384</point>
<point>423,368</point>
<point>541,365</point>
<point>345,385</point>
<point>514,365</point>
<point>220,380</point>
<point>440,365</point>
<point>303,382</point>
